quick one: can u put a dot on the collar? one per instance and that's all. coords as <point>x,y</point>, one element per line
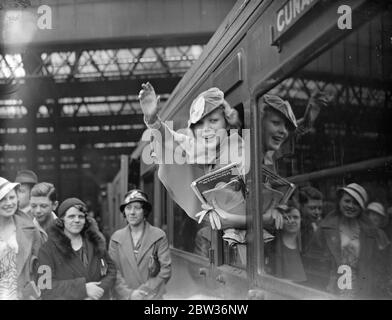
<point>26,209</point>
<point>268,158</point>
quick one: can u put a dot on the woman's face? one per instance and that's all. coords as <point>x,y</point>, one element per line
<point>134,213</point>
<point>349,207</point>
<point>74,221</point>
<point>376,218</point>
<point>9,204</point>
<point>275,131</point>
<point>211,129</point>
<point>292,221</point>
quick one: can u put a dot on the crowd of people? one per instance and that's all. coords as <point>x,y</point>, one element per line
<point>50,251</point>
<point>41,239</point>
<point>345,251</point>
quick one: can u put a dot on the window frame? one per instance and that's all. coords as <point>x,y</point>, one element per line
<point>255,264</point>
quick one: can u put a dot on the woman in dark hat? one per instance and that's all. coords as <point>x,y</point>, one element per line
<point>75,257</point>
<point>140,251</point>
<point>19,244</point>
<point>347,238</point>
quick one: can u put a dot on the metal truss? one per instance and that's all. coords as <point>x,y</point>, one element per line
<point>99,106</point>
<point>84,116</point>
<point>93,65</point>
<point>351,128</point>
<point>344,93</point>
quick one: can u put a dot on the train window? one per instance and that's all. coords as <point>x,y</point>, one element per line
<point>197,238</point>
<point>325,242</point>
<point>188,235</point>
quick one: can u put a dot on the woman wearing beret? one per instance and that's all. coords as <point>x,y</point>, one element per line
<point>347,238</point>
<point>278,123</point>
<point>76,257</point>
<point>140,251</point>
<point>19,244</point>
<point>206,145</point>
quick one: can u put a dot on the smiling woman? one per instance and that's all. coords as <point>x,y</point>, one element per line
<point>19,244</point>
<point>211,141</point>
<point>348,238</point>
<point>140,251</point>
<point>76,255</point>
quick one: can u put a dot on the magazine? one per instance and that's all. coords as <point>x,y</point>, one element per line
<point>276,190</point>
<point>224,190</point>
<point>225,187</point>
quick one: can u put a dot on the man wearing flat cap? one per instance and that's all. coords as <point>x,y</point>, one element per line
<point>27,180</point>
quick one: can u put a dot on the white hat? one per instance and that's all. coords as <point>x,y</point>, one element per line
<point>357,192</point>
<point>205,103</point>
<point>377,208</point>
<point>6,186</point>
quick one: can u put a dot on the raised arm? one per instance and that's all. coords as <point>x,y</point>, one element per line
<point>149,102</point>
<point>317,101</point>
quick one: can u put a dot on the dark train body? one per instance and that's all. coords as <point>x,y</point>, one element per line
<point>287,48</point>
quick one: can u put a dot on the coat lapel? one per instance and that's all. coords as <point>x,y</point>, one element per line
<point>74,263</point>
<point>149,238</point>
<point>92,267</point>
<point>126,249</point>
<point>24,237</point>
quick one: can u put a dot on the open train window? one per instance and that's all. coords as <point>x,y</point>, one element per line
<point>189,235</point>
<point>350,142</point>
<point>198,238</point>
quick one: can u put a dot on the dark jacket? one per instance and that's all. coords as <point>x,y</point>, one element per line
<point>328,242</point>
<point>69,275</point>
<point>133,272</point>
<point>277,261</point>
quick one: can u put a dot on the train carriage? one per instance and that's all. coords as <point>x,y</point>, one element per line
<point>288,48</point>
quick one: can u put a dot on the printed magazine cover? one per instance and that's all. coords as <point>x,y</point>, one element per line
<point>226,186</point>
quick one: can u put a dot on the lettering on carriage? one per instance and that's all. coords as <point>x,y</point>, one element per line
<point>291,11</point>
